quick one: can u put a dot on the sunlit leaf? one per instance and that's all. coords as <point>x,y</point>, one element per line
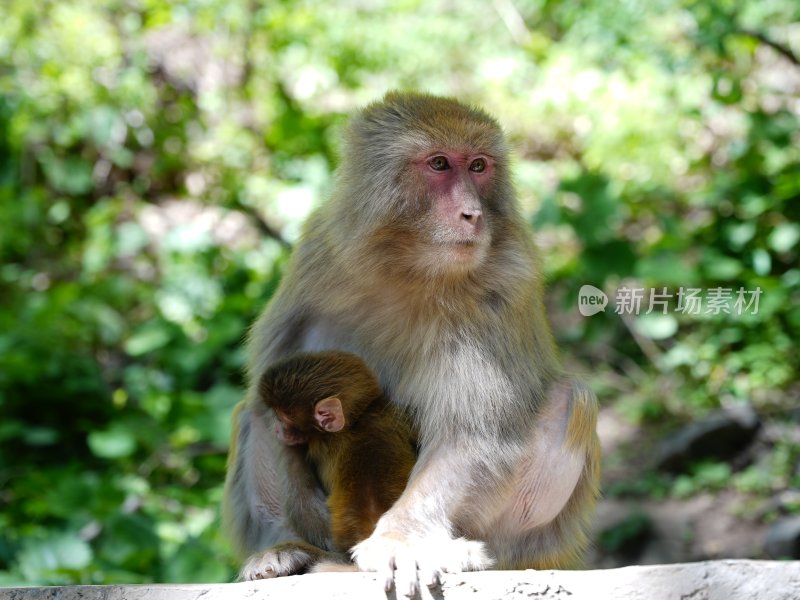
<point>147,340</point>
<point>113,443</point>
<point>40,559</point>
<point>657,326</point>
<point>784,237</point>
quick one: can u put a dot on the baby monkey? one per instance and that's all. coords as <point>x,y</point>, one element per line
<point>359,443</point>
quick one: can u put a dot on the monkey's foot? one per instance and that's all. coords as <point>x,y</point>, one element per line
<point>287,558</point>
<point>404,562</point>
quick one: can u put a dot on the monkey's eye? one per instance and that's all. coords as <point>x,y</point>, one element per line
<point>439,163</point>
<point>478,165</point>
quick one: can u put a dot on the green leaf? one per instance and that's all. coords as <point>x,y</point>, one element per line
<point>719,267</point>
<point>740,234</point>
<point>112,443</point>
<point>40,436</point>
<point>130,239</point>
<point>107,127</point>
<point>609,258</point>
<point>129,541</point>
<point>149,338</point>
<point>70,175</point>
<point>784,237</point>
<point>762,261</point>
<point>190,564</point>
<point>666,268</point>
<point>657,326</point>
<point>40,559</point>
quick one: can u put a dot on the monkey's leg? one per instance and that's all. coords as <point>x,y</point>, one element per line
<point>545,522</point>
<point>272,500</point>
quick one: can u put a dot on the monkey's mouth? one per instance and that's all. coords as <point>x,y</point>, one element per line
<point>465,252</point>
<point>460,242</point>
<point>459,247</point>
<point>471,243</point>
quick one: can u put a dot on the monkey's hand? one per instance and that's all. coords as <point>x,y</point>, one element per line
<point>403,561</point>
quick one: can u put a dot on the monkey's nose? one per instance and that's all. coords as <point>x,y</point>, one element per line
<point>471,215</point>
<point>472,221</point>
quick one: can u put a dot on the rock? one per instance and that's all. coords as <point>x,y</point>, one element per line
<point>721,435</point>
<point>783,538</point>
<point>713,580</point>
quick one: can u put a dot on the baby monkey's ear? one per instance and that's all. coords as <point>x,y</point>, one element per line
<point>329,415</point>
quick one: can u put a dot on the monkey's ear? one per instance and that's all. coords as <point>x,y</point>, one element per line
<point>329,415</point>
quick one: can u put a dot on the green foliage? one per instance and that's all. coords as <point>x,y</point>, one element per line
<point>704,476</point>
<point>648,485</point>
<point>157,157</point>
<point>777,470</point>
<point>627,535</point>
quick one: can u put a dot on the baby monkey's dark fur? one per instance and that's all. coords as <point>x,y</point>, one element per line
<point>359,443</point>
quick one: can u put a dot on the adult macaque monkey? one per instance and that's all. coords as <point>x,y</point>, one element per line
<point>421,264</point>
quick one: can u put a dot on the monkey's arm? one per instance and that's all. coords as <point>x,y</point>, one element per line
<point>415,538</point>
<point>459,487</point>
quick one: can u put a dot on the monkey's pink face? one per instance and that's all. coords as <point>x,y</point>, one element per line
<point>456,182</point>
<point>287,432</point>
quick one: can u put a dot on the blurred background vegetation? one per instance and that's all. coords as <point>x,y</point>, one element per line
<point>157,157</point>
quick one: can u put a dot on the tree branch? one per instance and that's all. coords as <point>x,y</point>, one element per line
<point>781,49</point>
<point>263,226</point>
<point>513,21</point>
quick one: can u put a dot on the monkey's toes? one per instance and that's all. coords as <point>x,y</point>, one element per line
<point>281,560</point>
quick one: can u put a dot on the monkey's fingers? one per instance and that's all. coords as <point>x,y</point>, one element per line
<point>442,554</point>
<point>391,558</point>
<point>463,555</point>
<point>405,563</point>
<point>439,554</point>
<point>406,576</point>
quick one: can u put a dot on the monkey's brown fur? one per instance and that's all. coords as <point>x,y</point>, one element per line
<point>364,467</point>
<point>432,277</point>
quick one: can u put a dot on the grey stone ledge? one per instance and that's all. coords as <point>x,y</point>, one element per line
<point>711,580</point>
